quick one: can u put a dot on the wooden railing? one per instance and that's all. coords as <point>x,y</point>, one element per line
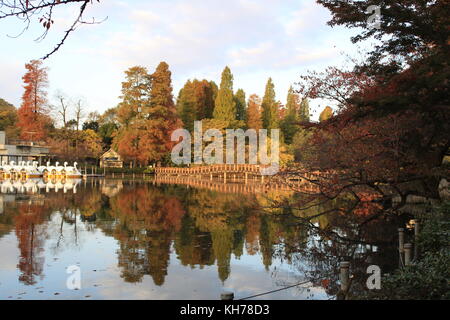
<point>250,187</point>
<point>223,168</point>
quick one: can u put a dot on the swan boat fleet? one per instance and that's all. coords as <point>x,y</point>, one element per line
<point>29,170</point>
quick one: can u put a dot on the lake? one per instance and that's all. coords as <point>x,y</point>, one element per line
<point>124,239</point>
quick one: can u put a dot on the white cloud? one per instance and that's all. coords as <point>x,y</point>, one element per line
<point>256,38</point>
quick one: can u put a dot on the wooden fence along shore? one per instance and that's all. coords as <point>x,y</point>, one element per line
<point>244,178</point>
<point>252,185</point>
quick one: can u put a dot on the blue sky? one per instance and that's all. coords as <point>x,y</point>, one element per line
<point>257,39</point>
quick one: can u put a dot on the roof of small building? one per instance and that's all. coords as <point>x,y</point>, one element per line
<point>111,154</point>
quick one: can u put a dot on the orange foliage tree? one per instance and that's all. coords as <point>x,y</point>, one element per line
<point>254,120</point>
<point>147,115</point>
<point>33,118</point>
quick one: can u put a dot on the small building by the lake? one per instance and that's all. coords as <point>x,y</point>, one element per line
<point>20,150</point>
<point>111,159</point>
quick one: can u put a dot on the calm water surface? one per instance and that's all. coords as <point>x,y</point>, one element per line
<point>148,240</point>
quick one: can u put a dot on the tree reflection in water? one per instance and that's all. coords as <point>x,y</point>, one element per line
<point>206,228</point>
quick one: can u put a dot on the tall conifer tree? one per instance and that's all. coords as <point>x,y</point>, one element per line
<point>225,108</point>
<point>240,104</point>
<point>269,107</point>
<point>289,123</point>
<point>304,113</point>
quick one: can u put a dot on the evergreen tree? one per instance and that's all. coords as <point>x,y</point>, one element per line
<point>211,91</point>
<point>304,113</point>
<point>270,107</point>
<point>240,104</point>
<point>186,105</point>
<point>289,124</point>
<point>225,108</point>
<point>292,104</point>
<point>195,102</point>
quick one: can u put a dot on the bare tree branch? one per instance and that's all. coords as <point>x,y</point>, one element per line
<point>43,10</point>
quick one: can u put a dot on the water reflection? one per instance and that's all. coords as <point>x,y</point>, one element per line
<point>156,227</point>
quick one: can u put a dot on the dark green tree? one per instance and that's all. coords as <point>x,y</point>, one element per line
<point>304,112</point>
<point>270,107</point>
<point>240,104</point>
<point>225,108</point>
<point>92,125</point>
<point>195,102</point>
<point>186,105</point>
<point>289,125</point>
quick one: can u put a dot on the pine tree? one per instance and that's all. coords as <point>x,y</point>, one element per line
<point>253,117</point>
<point>195,102</point>
<point>211,90</point>
<point>240,104</point>
<point>289,124</point>
<point>225,107</point>
<point>292,104</point>
<point>186,107</point>
<point>270,107</point>
<point>304,113</point>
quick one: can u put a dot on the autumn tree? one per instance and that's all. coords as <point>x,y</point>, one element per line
<point>389,136</point>
<point>132,111</point>
<point>91,144</point>
<point>225,105</point>
<point>150,118</point>
<point>411,30</point>
<point>33,119</point>
<point>205,92</point>
<point>240,104</point>
<point>326,114</point>
<point>253,118</point>
<point>270,107</point>
<point>162,112</point>
<point>135,95</point>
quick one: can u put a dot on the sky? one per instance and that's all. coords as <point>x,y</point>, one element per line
<point>257,39</point>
